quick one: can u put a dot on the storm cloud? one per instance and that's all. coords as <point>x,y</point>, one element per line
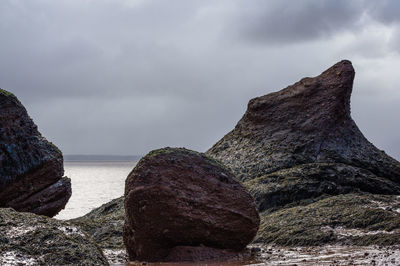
<point>128,76</point>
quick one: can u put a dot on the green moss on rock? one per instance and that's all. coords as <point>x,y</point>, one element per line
<point>10,95</point>
<point>308,181</point>
<point>360,219</point>
<point>44,241</point>
<point>183,151</point>
<point>105,224</point>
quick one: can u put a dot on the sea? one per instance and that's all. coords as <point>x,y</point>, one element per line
<point>94,182</point>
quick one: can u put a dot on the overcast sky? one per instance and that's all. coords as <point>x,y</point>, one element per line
<point>128,76</point>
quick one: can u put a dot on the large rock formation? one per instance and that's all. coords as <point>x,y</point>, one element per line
<point>31,168</point>
<point>29,239</point>
<point>297,202</point>
<point>298,147</point>
<point>304,134</point>
<point>181,202</point>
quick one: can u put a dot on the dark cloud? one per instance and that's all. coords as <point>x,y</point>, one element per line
<point>386,11</point>
<point>127,76</point>
<point>278,22</point>
<point>289,22</point>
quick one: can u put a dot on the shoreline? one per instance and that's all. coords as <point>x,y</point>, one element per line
<point>281,255</point>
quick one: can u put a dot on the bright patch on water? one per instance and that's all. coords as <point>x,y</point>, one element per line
<point>93,184</point>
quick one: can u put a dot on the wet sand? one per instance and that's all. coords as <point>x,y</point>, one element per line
<point>324,255</point>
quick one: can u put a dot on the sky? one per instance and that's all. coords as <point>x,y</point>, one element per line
<point>123,77</point>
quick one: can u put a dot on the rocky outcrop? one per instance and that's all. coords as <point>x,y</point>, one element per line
<point>351,219</point>
<point>31,168</point>
<point>176,200</point>
<point>308,181</point>
<point>307,125</point>
<point>29,239</point>
<point>309,168</point>
<point>105,224</point>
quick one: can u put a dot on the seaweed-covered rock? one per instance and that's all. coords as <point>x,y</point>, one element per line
<point>358,219</point>
<point>31,168</point>
<point>180,199</point>
<point>305,181</point>
<point>26,238</point>
<point>105,224</point>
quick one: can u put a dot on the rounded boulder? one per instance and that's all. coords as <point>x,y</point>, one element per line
<point>175,197</point>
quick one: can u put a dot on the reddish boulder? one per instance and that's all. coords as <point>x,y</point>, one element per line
<point>179,198</point>
<point>31,168</point>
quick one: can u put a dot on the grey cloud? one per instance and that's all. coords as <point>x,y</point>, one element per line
<point>61,47</point>
<point>127,76</point>
<point>278,22</point>
<point>285,22</point>
<point>386,11</point>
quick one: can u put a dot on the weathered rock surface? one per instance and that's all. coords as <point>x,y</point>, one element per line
<point>305,181</point>
<point>105,224</point>
<point>176,197</point>
<point>29,239</point>
<point>308,122</point>
<point>351,219</point>
<point>299,145</point>
<point>31,168</point>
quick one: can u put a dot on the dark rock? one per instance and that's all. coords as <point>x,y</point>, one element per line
<point>29,239</point>
<point>351,219</point>
<point>176,197</point>
<point>105,224</point>
<point>298,151</point>
<point>255,250</point>
<point>31,168</point>
<point>301,182</point>
<point>307,123</point>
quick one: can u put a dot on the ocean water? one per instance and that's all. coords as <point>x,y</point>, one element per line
<point>93,184</point>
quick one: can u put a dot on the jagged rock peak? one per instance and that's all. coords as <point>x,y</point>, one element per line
<point>307,122</point>
<point>320,99</point>
<point>31,168</point>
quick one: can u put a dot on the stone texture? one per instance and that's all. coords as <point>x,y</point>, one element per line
<point>311,171</point>
<point>29,239</point>
<point>176,197</point>
<point>350,219</point>
<point>307,123</point>
<point>105,224</point>
<point>306,181</point>
<point>31,168</point>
